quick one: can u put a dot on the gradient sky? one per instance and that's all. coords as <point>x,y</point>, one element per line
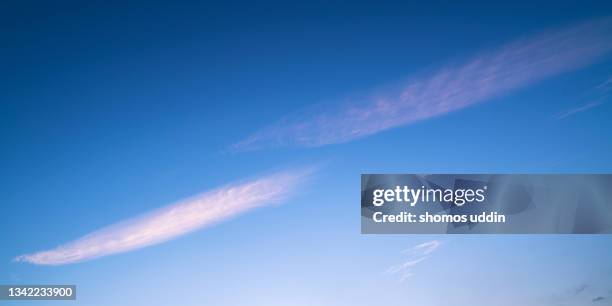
<point>110,111</point>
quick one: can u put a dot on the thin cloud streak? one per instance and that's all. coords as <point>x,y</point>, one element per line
<point>406,265</point>
<point>425,248</point>
<point>416,255</point>
<point>572,111</point>
<point>174,220</point>
<point>602,91</point>
<point>485,76</point>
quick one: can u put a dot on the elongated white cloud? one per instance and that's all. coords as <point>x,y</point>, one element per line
<point>174,220</point>
<point>487,75</point>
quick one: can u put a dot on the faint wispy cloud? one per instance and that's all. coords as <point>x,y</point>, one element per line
<point>174,220</point>
<point>416,255</point>
<point>599,96</point>
<point>485,76</point>
<point>406,265</point>
<point>425,248</point>
<point>606,86</point>
<point>572,111</point>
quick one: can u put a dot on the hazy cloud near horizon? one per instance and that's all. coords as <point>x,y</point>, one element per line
<point>489,74</point>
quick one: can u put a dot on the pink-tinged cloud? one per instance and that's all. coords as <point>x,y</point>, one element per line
<point>174,220</point>
<point>487,75</point>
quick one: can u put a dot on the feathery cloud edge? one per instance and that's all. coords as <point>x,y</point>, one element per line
<point>487,75</point>
<point>174,220</point>
<point>416,255</point>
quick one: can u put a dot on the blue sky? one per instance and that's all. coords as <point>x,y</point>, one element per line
<point>111,111</point>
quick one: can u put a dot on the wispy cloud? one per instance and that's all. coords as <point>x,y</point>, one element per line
<point>174,220</point>
<point>405,266</point>
<point>416,255</point>
<point>572,111</point>
<point>606,86</point>
<point>599,95</point>
<point>424,248</point>
<point>487,75</point>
